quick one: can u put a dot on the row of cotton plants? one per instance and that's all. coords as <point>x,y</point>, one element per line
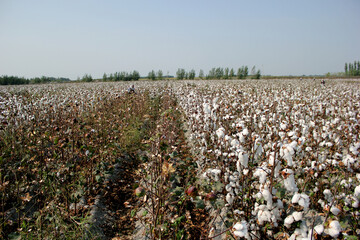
<point>282,155</point>
<point>22,104</point>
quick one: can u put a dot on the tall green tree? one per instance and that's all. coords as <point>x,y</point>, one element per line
<point>246,71</point>
<point>180,74</point>
<point>232,73</point>
<point>152,75</point>
<point>160,75</point>
<point>201,74</point>
<point>105,78</point>
<point>346,69</point>
<point>192,74</point>
<point>226,73</point>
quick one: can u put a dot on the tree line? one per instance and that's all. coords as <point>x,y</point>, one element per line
<point>220,73</point>
<point>214,73</point>
<point>122,76</point>
<point>14,80</point>
<point>352,69</point>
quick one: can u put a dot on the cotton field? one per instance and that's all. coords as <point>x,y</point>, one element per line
<point>286,152</point>
<point>275,159</point>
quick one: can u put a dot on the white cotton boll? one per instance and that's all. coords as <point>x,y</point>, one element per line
<point>296,198</point>
<point>313,164</point>
<point>241,229</point>
<point>288,221</point>
<point>334,229</point>
<point>357,192</point>
<point>308,149</point>
<point>243,159</point>
<point>335,210</point>
<point>245,172</point>
<point>259,172</point>
<point>234,143</point>
<point>297,216</point>
<point>302,199</point>
<point>289,181</point>
<point>358,176</point>
<point>238,166</point>
<point>328,195</point>
<point>245,132</point>
<point>282,134</point>
<point>280,204</point>
<point>264,216</point>
<point>207,109</point>
<point>228,187</point>
<point>229,198</point>
<point>355,203</point>
<point>268,197</point>
<point>220,133</point>
<point>319,229</point>
<point>283,126</point>
<point>321,202</point>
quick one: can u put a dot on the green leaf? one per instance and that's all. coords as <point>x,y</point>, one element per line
<point>14,236</point>
<point>97,178</point>
<point>199,203</point>
<point>218,187</point>
<point>132,213</point>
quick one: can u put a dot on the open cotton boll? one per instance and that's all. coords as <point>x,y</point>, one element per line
<point>334,229</point>
<point>297,216</point>
<point>207,109</point>
<point>241,229</point>
<point>261,174</point>
<point>288,221</point>
<point>267,196</point>
<point>243,159</point>
<point>234,143</point>
<point>319,229</point>
<point>264,216</point>
<point>229,198</point>
<point>283,126</point>
<point>289,181</point>
<point>328,195</point>
<point>335,210</point>
<point>220,133</point>
<point>357,192</point>
<point>302,199</point>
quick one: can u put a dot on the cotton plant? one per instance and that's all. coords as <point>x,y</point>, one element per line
<point>309,129</point>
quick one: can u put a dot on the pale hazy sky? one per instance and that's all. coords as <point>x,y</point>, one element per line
<point>68,38</point>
